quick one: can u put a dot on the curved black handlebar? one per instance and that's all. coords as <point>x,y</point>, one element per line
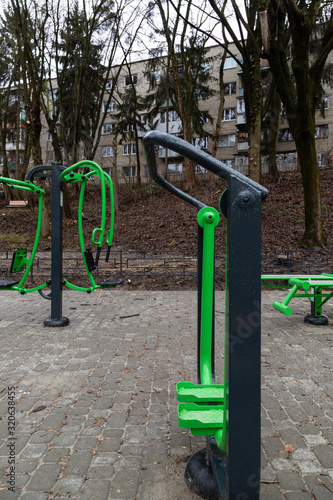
<point>197,155</point>
<point>38,171</point>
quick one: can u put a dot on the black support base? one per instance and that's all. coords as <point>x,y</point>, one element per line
<point>200,478</point>
<point>315,320</point>
<point>56,322</point>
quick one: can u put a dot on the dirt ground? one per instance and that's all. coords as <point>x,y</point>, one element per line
<point>157,220</point>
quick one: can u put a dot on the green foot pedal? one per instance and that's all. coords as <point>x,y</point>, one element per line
<point>203,420</point>
<point>19,260</point>
<point>200,393</point>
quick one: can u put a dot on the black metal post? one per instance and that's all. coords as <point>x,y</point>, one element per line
<point>244,339</point>
<point>56,318</point>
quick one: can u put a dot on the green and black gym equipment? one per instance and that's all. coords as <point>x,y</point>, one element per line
<point>317,288</point>
<point>227,414</point>
<point>58,174</point>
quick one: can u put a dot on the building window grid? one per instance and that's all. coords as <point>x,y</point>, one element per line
<point>321,131</point>
<point>230,62</point>
<point>130,80</point>
<point>107,151</point>
<point>109,108</point>
<point>129,171</point>
<point>230,88</point>
<point>229,114</point>
<point>129,149</point>
<point>172,116</point>
<point>107,128</point>
<point>227,140</point>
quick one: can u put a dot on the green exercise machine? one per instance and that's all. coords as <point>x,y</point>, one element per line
<point>227,414</point>
<point>21,261</point>
<point>317,288</point>
<point>58,174</point>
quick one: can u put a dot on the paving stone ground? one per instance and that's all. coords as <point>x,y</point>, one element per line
<point>95,404</point>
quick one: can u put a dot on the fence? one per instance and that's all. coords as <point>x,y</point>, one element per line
<point>132,264</point>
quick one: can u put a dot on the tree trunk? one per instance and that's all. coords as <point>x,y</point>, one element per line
<point>255,149</point>
<point>313,236</point>
<point>189,166</point>
<point>254,122</point>
<point>115,174</point>
<point>274,135</point>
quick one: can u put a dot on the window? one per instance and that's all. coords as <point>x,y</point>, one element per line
<point>107,128</point>
<point>321,131</point>
<point>180,70</point>
<point>50,156</point>
<point>198,169</point>
<point>205,66</point>
<point>129,128</point>
<point>240,106</point>
<point>200,142</point>
<point>144,119</point>
<point>322,159</point>
<point>229,63</point>
<point>107,151</point>
<point>285,135</point>
<point>111,107</point>
<point>128,171</point>
<point>230,88</point>
<point>108,84</point>
<point>227,140</point>
<point>130,80</point>
<point>129,149</point>
<point>154,76</point>
<point>324,103</point>
<point>229,114</point>
<point>109,171</point>
<point>229,163</point>
<point>53,94</point>
<point>202,93</point>
<point>175,168</point>
<point>172,116</point>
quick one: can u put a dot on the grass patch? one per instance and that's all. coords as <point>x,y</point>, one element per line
<point>12,240</point>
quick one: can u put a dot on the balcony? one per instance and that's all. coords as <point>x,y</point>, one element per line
<point>243,146</point>
<point>241,119</point>
<point>11,146</point>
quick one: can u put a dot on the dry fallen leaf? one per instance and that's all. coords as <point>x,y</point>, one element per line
<point>289,448</point>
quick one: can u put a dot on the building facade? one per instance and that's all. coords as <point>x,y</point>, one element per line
<point>124,151</point>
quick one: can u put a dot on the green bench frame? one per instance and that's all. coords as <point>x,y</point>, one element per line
<point>317,288</point>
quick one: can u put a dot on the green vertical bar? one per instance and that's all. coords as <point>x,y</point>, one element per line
<point>208,218</point>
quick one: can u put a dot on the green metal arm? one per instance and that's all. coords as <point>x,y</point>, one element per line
<point>28,186</point>
<point>98,233</point>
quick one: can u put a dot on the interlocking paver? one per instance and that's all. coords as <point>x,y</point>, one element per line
<point>109,427</point>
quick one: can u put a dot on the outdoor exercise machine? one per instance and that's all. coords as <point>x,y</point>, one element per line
<point>58,174</point>
<point>317,288</point>
<point>229,414</point>
<point>20,259</point>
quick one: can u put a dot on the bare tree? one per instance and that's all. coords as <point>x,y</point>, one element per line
<point>299,86</point>
<point>184,57</point>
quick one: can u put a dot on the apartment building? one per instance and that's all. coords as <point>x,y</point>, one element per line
<point>122,154</point>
